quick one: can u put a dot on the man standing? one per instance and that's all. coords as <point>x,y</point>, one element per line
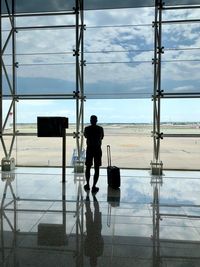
<point>94,135</point>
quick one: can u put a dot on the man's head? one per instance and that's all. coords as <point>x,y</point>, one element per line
<point>93,120</point>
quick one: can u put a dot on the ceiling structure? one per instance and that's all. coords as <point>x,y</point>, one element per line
<point>37,6</point>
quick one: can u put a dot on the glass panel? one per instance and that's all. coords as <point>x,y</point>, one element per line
<point>180,116</point>
<point>29,110</point>
<point>131,145</point>
<point>35,151</point>
<point>45,20</point>
<point>45,41</point>
<point>45,67</point>
<point>7,141</point>
<point>127,127</point>
<point>180,77</point>
<point>118,80</point>
<point>180,153</point>
<point>119,56</point>
<point>46,79</point>
<point>180,14</point>
<point>180,36</point>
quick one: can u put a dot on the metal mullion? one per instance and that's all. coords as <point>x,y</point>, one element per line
<point>159,40</point>
<point>14,67</point>
<point>155,66</point>
<point>37,97</point>
<point>182,96</point>
<point>1,82</point>
<point>7,40</point>
<point>11,145</point>
<point>42,95</point>
<point>154,147</point>
<point>9,223</point>
<point>157,149</point>
<point>9,14</point>
<point>79,38</point>
<point>80,113</point>
<point>4,146</point>
<point>179,215</point>
<point>81,73</point>
<point>44,27</point>
<point>13,86</point>
<point>156,132</point>
<point>182,135</point>
<point>77,77</point>
<point>41,14</point>
<point>7,116</point>
<point>7,78</point>
<point>82,121</point>
<point>180,21</point>
<point>176,94</point>
<point>157,85</point>
<point>156,113</point>
<point>30,134</point>
<point>180,7</point>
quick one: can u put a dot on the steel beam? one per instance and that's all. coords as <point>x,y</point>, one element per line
<point>79,59</point>
<point>156,164</point>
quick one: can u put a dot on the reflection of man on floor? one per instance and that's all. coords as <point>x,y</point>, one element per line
<point>93,241</point>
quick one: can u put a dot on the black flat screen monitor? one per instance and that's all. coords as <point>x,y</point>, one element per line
<point>51,126</point>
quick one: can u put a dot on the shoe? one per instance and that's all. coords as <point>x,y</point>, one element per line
<point>95,189</point>
<point>86,187</point>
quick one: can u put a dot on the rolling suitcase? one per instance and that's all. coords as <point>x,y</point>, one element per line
<point>113,172</point>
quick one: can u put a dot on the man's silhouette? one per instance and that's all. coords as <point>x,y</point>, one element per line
<point>94,135</point>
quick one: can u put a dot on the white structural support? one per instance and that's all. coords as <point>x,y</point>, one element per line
<point>156,164</point>
<point>9,80</point>
<point>79,93</point>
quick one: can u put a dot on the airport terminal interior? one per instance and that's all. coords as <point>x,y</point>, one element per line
<point>136,64</point>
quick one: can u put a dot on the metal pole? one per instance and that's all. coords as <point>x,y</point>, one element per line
<point>13,76</point>
<point>82,72</point>
<point>64,205</point>
<point>77,78</point>
<point>158,50</point>
<point>180,7</point>
<point>181,21</point>
<point>41,14</point>
<point>1,83</point>
<point>44,27</point>
<point>155,82</point>
<point>64,156</point>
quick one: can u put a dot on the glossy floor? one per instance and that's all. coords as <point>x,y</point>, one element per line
<point>150,221</point>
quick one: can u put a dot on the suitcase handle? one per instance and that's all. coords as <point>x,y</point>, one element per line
<point>109,155</point>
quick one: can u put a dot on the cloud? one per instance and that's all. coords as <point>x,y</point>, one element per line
<point>184,89</point>
<point>108,74</point>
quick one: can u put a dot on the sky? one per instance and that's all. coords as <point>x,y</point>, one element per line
<point>119,71</point>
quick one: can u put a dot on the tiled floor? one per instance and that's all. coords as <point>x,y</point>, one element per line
<point>150,221</point>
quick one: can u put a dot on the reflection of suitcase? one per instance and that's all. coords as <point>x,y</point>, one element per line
<point>113,172</point>
<point>113,196</point>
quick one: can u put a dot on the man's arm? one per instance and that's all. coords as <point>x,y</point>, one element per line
<point>85,133</point>
<point>102,134</point>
